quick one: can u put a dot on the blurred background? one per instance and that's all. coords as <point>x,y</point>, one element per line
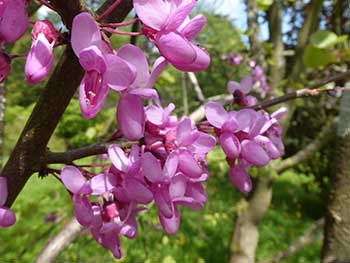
<point>297,43</point>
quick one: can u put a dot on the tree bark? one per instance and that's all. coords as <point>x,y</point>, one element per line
<point>336,247</point>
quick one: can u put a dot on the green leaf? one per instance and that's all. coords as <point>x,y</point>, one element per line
<point>323,39</point>
<point>264,4</point>
<point>316,57</point>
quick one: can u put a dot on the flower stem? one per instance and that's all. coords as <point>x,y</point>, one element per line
<point>115,25</point>
<point>118,32</point>
<point>109,10</point>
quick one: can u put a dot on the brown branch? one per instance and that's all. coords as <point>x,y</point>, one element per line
<point>323,138</point>
<point>28,155</point>
<point>197,88</point>
<point>59,242</point>
<point>312,90</point>
<point>69,156</point>
<point>299,244</point>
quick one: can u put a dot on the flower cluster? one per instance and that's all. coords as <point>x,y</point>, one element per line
<point>165,160</point>
<point>168,169</point>
<point>248,138</point>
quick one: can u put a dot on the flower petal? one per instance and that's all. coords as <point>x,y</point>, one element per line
<point>137,191</point>
<point>7,217</point>
<point>72,179</point>
<point>135,56</point>
<point>195,25</point>
<point>254,153</point>
<point>39,60</point>
<point>131,117</point>
<point>119,74</point>
<point>170,225</point>
<point>216,114</point>
<point>175,48</point>
<point>151,168</point>
<point>153,13</point>
<point>230,145</point>
<point>118,158</point>
<point>241,179</point>
<point>85,32</point>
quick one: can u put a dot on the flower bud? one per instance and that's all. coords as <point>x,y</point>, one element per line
<point>45,27</point>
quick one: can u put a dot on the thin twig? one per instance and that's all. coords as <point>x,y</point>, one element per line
<point>59,242</point>
<point>109,10</point>
<point>309,237</point>
<point>197,88</point>
<point>312,90</point>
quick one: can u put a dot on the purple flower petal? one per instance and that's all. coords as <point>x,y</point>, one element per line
<point>254,153</point>
<point>151,168</point>
<point>195,25</point>
<point>102,183</point>
<point>137,191</point>
<point>131,117</point>
<point>216,114</point>
<point>201,62</point>
<point>188,165</point>
<point>72,179</point>
<point>39,60</point>
<point>120,74</point>
<point>91,58</point>
<point>85,33</point>
<point>230,145</point>
<point>7,217</point>
<point>92,94</point>
<point>135,56</point>
<point>82,210</point>
<point>175,48</point>
<point>241,179</point>
<point>170,225</point>
<point>158,67</point>
<point>118,158</point>
<point>153,13</point>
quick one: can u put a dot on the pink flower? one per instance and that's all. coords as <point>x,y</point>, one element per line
<point>40,58</point>
<point>240,90</point>
<point>102,69</point>
<point>166,23</point>
<point>13,20</point>
<point>130,110</point>
<point>7,217</point>
<point>5,66</point>
<point>248,138</point>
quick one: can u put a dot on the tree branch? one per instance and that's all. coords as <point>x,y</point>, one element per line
<point>323,138</point>
<point>312,90</point>
<point>28,155</point>
<point>197,88</point>
<point>59,242</point>
<point>298,244</point>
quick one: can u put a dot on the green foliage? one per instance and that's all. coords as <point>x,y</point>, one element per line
<point>320,52</point>
<point>78,131</point>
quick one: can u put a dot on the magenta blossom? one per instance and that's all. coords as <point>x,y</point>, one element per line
<point>167,25</point>
<point>130,110</point>
<point>248,138</point>
<point>40,58</point>
<point>7,217</point>
<point>102,69</point>
<point>5,66</point>
<point>240,91</point>
<point>13,20</point>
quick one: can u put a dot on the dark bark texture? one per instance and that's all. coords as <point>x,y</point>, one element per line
<point>336,246</point>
